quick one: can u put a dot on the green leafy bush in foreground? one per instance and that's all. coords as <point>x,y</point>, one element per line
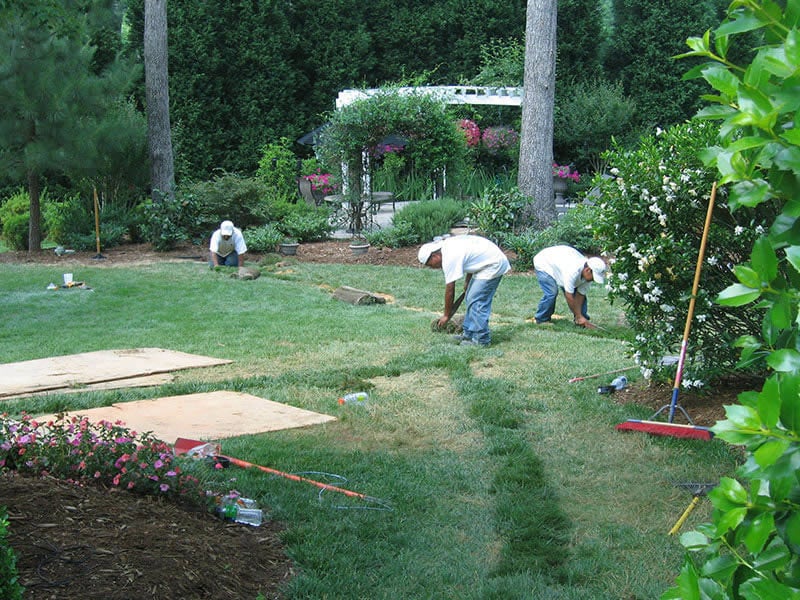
<point>10,589</point>
<point>751,548</point>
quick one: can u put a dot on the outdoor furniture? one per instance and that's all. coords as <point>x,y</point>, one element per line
<point>360,215</point>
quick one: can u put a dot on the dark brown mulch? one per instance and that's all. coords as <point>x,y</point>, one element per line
<point>88,543</point>
<point>82,542</point>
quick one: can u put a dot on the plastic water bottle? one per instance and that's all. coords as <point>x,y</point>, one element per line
<point>620,383</point>
<point>357,398</point>
<point>247,516</point>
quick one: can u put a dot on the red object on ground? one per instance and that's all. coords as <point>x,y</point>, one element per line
<point>667,429</point>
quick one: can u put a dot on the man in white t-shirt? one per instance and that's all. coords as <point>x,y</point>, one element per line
<point>483,264</point>
<point>563,267</point>
<point>227,247</point>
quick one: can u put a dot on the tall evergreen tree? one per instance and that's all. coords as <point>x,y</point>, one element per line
<point>54,101</point>
<point>646,35</point>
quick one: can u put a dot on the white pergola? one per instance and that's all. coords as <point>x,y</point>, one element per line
<point>451,94</point>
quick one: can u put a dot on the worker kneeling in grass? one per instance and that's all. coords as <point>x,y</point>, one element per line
<point>563,267</point>
<point>484,265</point>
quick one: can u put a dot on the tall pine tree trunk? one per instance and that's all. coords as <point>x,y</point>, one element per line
<point>35,214</point>
<point>536,142</point>
<point>156,78</point>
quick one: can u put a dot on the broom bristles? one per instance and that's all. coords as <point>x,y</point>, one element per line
<point>667,429</point>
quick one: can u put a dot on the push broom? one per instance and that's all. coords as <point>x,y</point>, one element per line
<point>675,429</point>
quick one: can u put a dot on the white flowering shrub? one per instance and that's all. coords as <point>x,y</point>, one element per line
<point>651,218</point>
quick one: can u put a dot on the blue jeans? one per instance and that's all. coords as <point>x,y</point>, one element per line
<point>479,296</point>
<point>232,260</point>
<point>547,305</point>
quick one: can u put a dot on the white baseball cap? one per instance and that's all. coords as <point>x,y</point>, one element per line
<point>226,228</point>
<point>598,268</point>
<point>426,250</point>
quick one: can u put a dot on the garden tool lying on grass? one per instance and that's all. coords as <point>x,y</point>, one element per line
<point>698,490</point>
<point>453,325</point>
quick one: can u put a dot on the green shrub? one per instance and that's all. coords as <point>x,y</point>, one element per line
<point>651,221</point>
<point>306,223</point>
<point>277,169</point>
<point>498,212</point>
<point>398,235</point>
<point>226,197</point>
<point>430,218</point>
<point>574,228</point>
<point>172,221</point>
<point>751,547</point>
<point>71,223</point>
<point>10,588</point>
<point>15,219</point>
<point>263,239</point>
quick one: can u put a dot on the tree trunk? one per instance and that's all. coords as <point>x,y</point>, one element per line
<point>535,177</point>
<point>156,77</point>
<point>35,214</point>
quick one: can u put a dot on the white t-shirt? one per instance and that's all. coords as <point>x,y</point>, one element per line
<point>223,247</point>
<point>565,265</point>
<point>472,254</point>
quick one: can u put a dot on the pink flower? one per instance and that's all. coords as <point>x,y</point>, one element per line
<point>471,131</point>
<point>565,172</point>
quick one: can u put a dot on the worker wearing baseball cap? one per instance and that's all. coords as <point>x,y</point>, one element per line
<point>563,267</point>
<point>227,246</point>
<point>483,264</point>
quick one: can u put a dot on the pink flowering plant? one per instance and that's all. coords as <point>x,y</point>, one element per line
<point>471,131</point>
<point>565,172</point>
<point>322,183</point>
<point>79,451</point>
<point>500,139</point>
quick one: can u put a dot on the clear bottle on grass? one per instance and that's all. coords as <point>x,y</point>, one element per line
<point>356,398</point>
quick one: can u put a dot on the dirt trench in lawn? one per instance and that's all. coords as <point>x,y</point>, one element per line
<point>84,542</point>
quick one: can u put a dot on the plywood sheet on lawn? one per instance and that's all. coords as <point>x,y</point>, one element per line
<point>143,381</point>
<point>204,416</point>
<point>94,367</point>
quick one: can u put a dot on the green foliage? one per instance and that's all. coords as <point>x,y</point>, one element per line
<point>502,63</point>
<point>77,103</point>
<point>358,129</point>
<point>10,588</point>
<point>429,218</point>
<point>651,220</point>
<point>399,235</point>
<point>646,37</point>
<point>14,220</point>
<point>588,115</point>
<point>277,169</point>
<point>263,239</point>
<point>172,221</point>
<point>306,223</point>
<point>751,549</point>
<point>227,196</point>
<point>70,222</point>
<point>575,228</point>
<point>498,212</point>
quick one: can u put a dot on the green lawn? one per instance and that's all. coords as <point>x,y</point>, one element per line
<point>503,479</point>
